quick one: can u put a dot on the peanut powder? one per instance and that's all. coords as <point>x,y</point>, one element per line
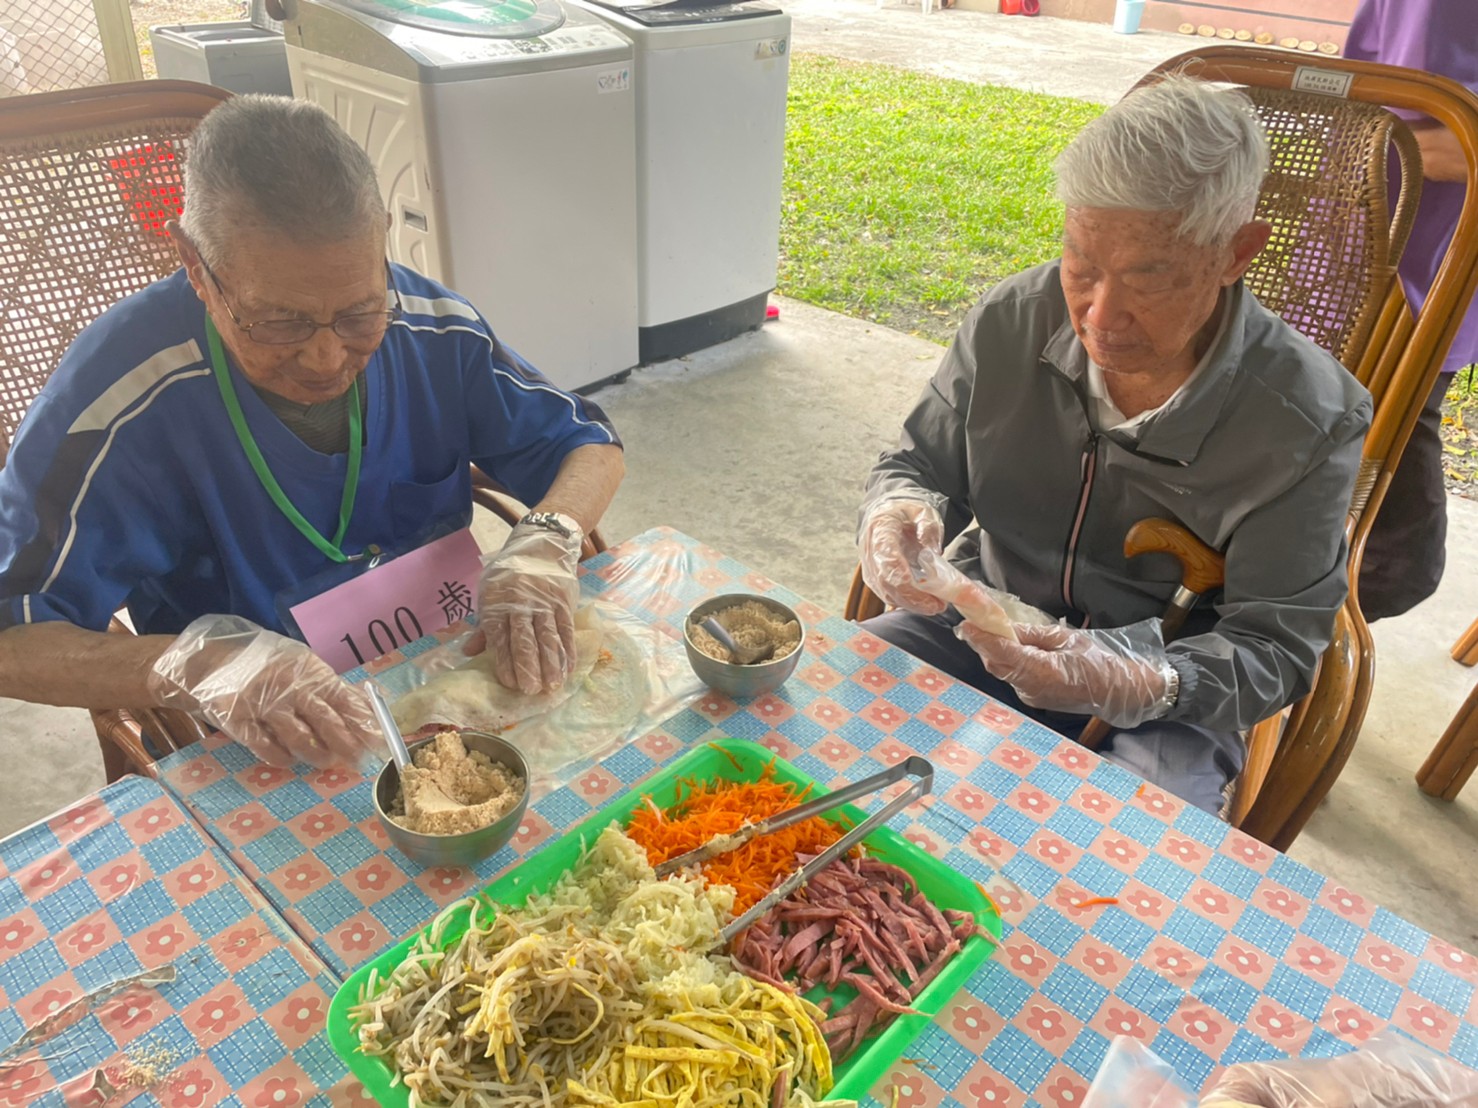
<point>750,624</point>
<point>449,790</point>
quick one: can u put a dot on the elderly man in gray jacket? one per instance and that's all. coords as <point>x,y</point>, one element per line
<point>1134,377</point>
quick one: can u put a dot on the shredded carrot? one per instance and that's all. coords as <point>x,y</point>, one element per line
<point>1140,791</point>
<point>705,810</point>
<point>1094,900</point>
<point>989,899</point>
<point>729,754</point>
<point>923,1065</point>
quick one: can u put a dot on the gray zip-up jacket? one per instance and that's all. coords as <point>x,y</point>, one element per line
<point>1257,456</point>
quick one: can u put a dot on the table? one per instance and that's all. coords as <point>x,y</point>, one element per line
<point>1219,949</point>
<point>122,882</point>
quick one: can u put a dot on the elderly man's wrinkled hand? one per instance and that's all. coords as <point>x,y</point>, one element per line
<point>894,534</point>
<point>1121,676</point>
<point>269,693</point>
<point>526,609</point>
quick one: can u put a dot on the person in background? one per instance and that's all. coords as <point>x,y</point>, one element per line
<point>1405,553</point>
<point>1134,377</point>
<point>255,429</point>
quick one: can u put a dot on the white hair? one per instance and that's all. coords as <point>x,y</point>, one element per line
<point>1181,145</point>
<point>270,163</point>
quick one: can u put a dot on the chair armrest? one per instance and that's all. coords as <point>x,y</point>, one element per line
<point>862,602</point>
<point>507,507</point>
<point>122,742</point>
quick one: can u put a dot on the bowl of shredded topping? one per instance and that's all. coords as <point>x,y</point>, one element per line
<point>459,801</point>
<point>751,622</point>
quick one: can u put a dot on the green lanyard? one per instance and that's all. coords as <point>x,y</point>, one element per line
<point>332,549</point>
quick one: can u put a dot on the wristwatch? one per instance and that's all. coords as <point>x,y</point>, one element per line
<point>553,521</point>
<point>1172,690</point>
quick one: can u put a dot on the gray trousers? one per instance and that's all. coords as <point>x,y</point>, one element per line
<point>1195,763</point>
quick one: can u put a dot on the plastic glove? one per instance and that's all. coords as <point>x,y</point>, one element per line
<point>1121,676</point>
<point>893,534</point>
<point>270,693</point>
<point>526,609</point>
<point>1389,1071</point>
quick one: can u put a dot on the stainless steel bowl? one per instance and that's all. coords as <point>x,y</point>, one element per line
<point>736,680</point>
<point>471,846</point>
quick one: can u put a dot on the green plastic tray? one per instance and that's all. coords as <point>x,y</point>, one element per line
<point>709,762</point>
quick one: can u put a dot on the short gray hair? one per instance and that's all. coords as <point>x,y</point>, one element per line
<point>1181,145</point>
<point>270,163</point>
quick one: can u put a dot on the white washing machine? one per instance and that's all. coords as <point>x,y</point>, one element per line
<point>504,136</point>
<point>710,143</point>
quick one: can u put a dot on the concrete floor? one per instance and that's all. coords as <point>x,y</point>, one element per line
<point>760,446</point>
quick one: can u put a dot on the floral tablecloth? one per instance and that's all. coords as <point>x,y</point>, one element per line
<point>1216,948</point>
<point>122,883</point>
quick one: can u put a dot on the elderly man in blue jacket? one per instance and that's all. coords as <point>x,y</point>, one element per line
<point>264,425</point>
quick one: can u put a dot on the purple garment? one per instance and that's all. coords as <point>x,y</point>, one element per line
<point>1439,36</point>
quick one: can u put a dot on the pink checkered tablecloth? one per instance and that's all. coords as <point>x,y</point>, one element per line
<point>1218,949</point>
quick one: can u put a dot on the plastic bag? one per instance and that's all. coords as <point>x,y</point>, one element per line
<point>638,678</point>
<point>1388,1071</point>
<point>1133,1076</point>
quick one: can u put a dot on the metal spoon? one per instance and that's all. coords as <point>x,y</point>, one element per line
<point>743,655</point>
<point>430,797</point>
<point>388,727</point>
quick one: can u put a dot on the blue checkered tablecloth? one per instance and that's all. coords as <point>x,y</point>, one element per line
<point>1216,949</point>
<point>124,882</point>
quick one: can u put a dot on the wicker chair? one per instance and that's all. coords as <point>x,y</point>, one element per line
<point>1328,271</point>
<point>88,179</point>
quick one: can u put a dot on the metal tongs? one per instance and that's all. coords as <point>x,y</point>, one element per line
<point>914,766</point>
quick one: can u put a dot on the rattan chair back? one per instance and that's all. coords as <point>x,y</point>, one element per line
<point>1336,232</point>
<point>1397,356</point>
<point>88,178</point>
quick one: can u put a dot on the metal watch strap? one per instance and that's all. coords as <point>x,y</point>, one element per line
<point>554,521</point>
<point>1172,689</point>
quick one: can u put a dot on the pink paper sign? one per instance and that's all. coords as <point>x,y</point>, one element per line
<point>393,604</point>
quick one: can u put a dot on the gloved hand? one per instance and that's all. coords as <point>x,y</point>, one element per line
<point>893,535</point>
<point>526,609</point>
<point>1389,1071</point>
<point>1121,675</point>
<point>270,693</point>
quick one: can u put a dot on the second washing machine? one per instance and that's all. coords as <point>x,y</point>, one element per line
<point>710,143</point>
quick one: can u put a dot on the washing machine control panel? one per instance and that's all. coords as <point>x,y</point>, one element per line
<point>663,13</point>
<point>440,50</point>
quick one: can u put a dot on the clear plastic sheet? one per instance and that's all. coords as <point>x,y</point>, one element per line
<point>1388,1071</point>
<point>636,677</point>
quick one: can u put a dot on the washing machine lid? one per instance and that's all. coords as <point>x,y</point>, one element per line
<point>479,18</point>
<point>663,13</point>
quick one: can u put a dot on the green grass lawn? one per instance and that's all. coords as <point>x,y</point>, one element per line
<point>907,196</point>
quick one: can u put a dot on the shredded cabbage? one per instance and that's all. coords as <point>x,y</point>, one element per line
<point>608,991</point>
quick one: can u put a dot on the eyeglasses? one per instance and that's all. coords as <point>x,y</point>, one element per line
<point>355,327</point>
